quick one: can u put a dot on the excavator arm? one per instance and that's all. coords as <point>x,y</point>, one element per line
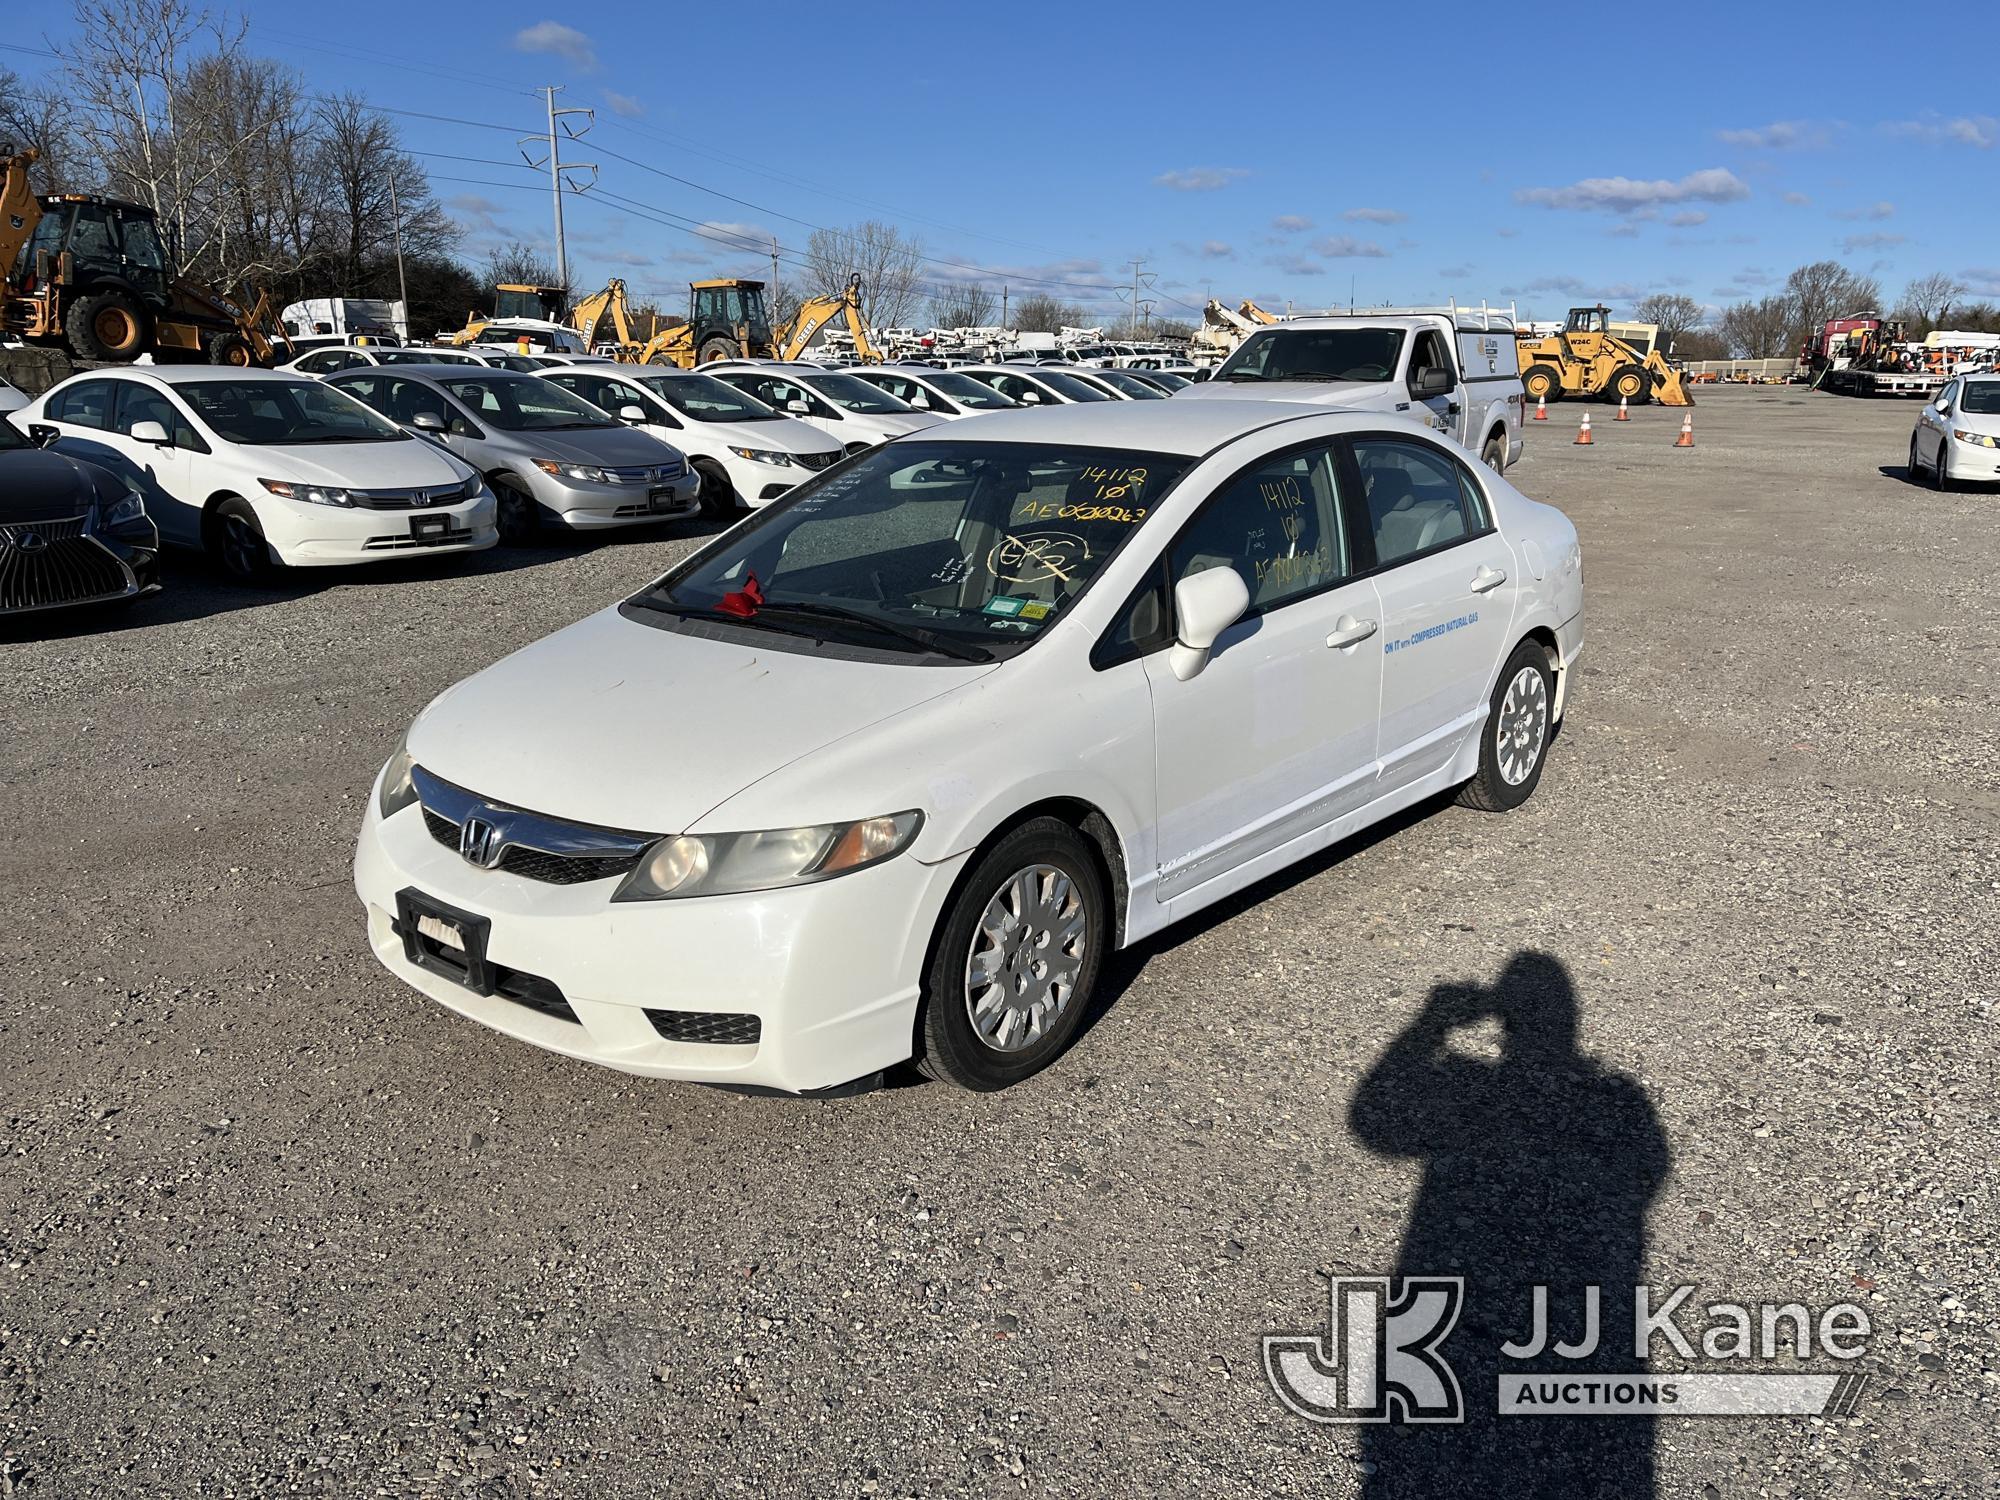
<point>592,311</point>
<point>1253,313</point>
<point>20,210</point>
<point>817,313</point>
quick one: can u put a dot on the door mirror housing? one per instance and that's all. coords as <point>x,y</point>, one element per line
<point>631,413</point>
<point>428,421</point>
<point>150,432</point>
<point>1431,380</point>
<point>1205,604</point>
<point>41,434</point>
<point>798,408</point>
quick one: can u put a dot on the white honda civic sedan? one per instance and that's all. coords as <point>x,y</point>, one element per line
<point>887,770</point>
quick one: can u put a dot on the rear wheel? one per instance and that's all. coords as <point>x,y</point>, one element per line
<point>519,517</point>
<point>108,326</point>
<point>1016,960</point>
<point>230,349</point>
<point>1514,741</point>
<point>1542,383</point>
<point>1629,383</point>
<point>718,491</point>
<point>718,348</point>
<point>237,540</point>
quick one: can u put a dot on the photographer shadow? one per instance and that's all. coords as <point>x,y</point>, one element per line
<point>1539,1166</point>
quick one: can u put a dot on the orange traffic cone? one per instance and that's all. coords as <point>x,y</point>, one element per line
<point>1686,439</point>
<point>1541,408</point>
<point>1583,437</point>
<point>1622,415</point>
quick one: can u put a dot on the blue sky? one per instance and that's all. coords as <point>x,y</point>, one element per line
<point>1289,153</point>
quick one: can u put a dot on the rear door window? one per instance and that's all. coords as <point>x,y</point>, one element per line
<point>86,404</point>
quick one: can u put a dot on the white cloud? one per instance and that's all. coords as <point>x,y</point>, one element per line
<point>1797,199</point>
<point>1291,223</point>
<point>1983,281</point>
<point>558,40</point>
<point>1347,247</point>
<point>1856,242</point>
<point>1687,218</point>
<point>1874,211</point>
<point>1624,195</point>
<point>1454,273</point>
<point>1572,286</point>
<point>1779,135</point>
<point>1963,130</point>
<point>1216,250</point>
<point>1200,179</point>
<point>479,214</point>
<point>1374,216</point>
<point>1297,265</point>
<point>624,104</point>
<point>1623,232</point>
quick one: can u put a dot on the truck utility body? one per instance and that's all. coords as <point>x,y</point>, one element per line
<point>1452,368</point>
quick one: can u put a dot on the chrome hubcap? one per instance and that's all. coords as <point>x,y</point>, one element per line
<point>1524,724</point>
<point>1026,958</point>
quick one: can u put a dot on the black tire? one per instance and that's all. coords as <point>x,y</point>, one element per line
<point>1494,453</point>
<point>236,541</point>
<point>1542,383</point>
<point>717,348</point>
<point>231,349</point>
<point>1941,468</point>
<point>1915,469</point>
<point>949,1046</point>
<point>110,326</point>
<point>718,491</point>
<point>1629,383</point>
<point>1491,789</point>
<point>516,514</point>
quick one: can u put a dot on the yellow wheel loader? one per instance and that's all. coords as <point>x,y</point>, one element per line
<point>1587,360</point>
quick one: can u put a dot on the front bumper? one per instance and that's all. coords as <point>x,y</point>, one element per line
<point>599,507</point>
<point>72,563</point>
<point>308,536</point>
<point>830,971</point>
<point>1974,462</point>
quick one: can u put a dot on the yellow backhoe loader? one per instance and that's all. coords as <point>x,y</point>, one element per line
<point>817,313</point>
<point>727,319</point>
<point>1587,359</point>
<point>1254,313</point>
<point>89,273</point>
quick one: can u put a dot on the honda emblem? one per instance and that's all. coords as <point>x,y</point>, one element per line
<point>479,843</point>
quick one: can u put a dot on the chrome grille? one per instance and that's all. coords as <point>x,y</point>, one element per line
<point>817,460</point>
<point>46,563</point>
<point>431,498</point>
<point>551,850</point>
<point>652,475</point>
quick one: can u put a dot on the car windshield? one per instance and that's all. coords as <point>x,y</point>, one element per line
<point>953,549</point>
<point>11,436</point>
<point>1315,354</point>
<point>706,399</point>
<point>1168,379</point>
<point>851,394</point>
<point>1131,385</point>
<point>523,403</point>
<point>1981,398</point>
<point>967,392</point>
<point>265,412</point>
<point>421,357</point>
<point>1065,384</point>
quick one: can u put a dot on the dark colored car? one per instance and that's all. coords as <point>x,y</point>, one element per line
<point>70,532</point>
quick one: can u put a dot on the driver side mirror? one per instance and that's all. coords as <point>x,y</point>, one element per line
<point>631,413</point>
<point>1431,380</point>
<point>150,432</point>
<point>798,408</point>
<point>428,421</point>
<point>1205,604</point>
<point>41,434</point>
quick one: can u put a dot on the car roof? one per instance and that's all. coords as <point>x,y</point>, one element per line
<point>187,374</point>
<point>1186,427</point>
<point>437,370</point>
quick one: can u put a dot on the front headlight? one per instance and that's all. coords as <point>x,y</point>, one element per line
<point>764,456</point>
<point>718,864</point>
<point>585,472</point>
<point>1977,439</point>
<point>311,494</point>
<point>398,790</point>
<point>129,507</point>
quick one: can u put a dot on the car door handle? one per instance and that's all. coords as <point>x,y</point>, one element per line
<point>1348,631</point>
<point>1486,580</point>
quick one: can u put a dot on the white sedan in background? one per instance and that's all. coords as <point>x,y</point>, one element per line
<point>1958,433</point>
<point>333,358</point>
<point>747,454</point>
<point>1037,385</point>
<point>852,412</point>
<point>265,468</point>
<point>977,709</point>
<point>942,393</point>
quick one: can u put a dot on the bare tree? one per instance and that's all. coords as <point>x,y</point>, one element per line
<point>358,158</point>
<point>962,305</point>
<point>1927,299</point>
<point>1825,290</point>
<point>889,264</point>
<point>1042,313</point>
<point>523,265</point>
<point>36,118</point>
<point>1674,313</point>
<point>1759,330</point>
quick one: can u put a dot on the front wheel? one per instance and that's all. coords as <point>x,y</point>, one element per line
<point>718,348</point>
<point>237,540</point>
<point>1016,960</point>
<point>519,517</point>
<point>718,493</point>
<point>1941,465</point>
<point>1629,384</point>
<point>1514,741</point>
<point>110,326</point>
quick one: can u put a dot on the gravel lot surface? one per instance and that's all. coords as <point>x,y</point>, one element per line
<point>271,1223</point>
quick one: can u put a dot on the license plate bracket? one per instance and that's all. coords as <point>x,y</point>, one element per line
<point>427,926</point>
<point>661,497</point>
<point>430,528</point>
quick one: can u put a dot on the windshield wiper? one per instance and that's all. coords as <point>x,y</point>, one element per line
<point>1313,375</point>
<point>929,640</point>
<point>1240,375</point>
<point>726,616</point>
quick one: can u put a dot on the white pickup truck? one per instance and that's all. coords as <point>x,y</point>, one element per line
<point>1451,367</point>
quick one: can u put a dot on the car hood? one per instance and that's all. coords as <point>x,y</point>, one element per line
<point>37,485</point>
<point>782,435</point>
<point>617,723</point>
<point>613,447</point>
<point>898,423</point>
<point>356,466</point>
<point>1987,424</point>
<point>1379,395</point>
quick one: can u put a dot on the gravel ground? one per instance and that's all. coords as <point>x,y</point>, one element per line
<point>270,1223</point>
